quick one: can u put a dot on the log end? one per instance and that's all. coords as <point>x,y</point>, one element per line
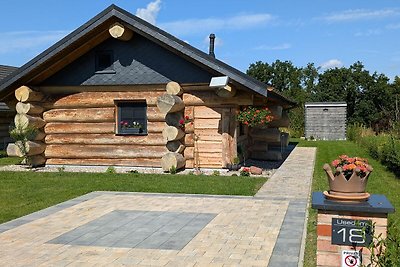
<point>226,91</point>
<point>172,160</point>
<point>172,133</point>
<point>170,103</point>
<point>120,32</point>
<point>173,88</point>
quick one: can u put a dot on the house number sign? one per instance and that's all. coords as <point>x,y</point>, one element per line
<point>351,232</point>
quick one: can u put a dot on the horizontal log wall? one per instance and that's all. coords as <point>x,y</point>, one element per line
<point>94,128</point>
<point>104,151</point>
<point>6,119</point>
<point>143,162</point>
<point>80,130</point>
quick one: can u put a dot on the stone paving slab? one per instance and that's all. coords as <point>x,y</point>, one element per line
<point>243,231</point>
<point>107,228</point>
<point>292,182</point>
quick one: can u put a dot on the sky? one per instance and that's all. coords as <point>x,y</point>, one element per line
<point>327,33</point>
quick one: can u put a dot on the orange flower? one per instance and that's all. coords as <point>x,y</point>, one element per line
<point>335,163</point>
<point>351,160</point>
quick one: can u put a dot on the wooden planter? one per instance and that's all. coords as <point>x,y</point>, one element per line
<point>342,189</point>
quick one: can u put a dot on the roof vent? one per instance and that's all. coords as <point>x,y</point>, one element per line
<point>212,40</point>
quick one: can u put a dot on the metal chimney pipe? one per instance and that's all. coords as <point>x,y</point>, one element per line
<point>212,41</point>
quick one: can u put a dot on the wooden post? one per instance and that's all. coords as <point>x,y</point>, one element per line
<point>276,111</point>
<point>283,121</point>
<point>229,150</point>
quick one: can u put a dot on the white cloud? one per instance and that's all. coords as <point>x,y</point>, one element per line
<point>283,46</point>
<point>332,63</point>
<point>149,13</point>
<point>393,26</point>
<point>28,40</point>
<point>361,14</point>
<point>368,33</point>
<point>193,26</point>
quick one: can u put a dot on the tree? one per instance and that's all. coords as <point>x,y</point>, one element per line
<point>287,79</point>
<point>371,99</point>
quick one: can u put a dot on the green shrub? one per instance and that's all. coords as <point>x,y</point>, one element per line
<point>386,251</point>
<point>296,117</point>
<point>111,169</point>
<point>373,146</point>
<point>172,170</point>
<point>21,135</point>
<point>61,169</point>
<point>216,173</point>
<point>391,155</point>
<point>353,131</point>
<point>245,172</point>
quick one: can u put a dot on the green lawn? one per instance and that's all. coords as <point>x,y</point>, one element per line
<point>381,181</point>
<point>4,160</point>
<point>24,192</point>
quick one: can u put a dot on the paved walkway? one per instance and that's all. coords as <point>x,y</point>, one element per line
<point>139,229</point>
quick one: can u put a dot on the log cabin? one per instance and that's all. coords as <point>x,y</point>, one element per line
<point>119,91</point>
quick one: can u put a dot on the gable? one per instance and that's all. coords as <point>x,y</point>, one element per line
<point>138,61</point>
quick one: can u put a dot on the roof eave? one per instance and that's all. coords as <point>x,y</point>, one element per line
<point>150,31</point>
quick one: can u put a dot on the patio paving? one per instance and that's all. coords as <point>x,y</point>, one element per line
<point>141,229</point>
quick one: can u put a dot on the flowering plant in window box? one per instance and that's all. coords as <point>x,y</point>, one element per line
<point>349,178</point>
<point>126,124</point>
<point>253,116</point>
<point>184,121</point>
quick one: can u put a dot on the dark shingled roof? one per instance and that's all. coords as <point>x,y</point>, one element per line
<point>152,33</point>
<point>6,70</point>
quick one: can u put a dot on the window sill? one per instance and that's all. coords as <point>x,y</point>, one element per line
<point>125,134</point>
<point>132,132</point>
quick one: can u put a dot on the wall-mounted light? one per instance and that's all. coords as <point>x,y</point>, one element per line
<point>219,82</point>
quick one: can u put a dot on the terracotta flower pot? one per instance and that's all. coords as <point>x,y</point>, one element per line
<point>341,188</point>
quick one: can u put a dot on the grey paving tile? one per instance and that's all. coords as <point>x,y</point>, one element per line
<point>142,229</point>
<point>15,223</point>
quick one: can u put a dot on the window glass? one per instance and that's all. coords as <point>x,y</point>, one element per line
<point>132,118</point>
<point>104,60</point>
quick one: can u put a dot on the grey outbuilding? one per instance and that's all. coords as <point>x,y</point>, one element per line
<point>325,120</point>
